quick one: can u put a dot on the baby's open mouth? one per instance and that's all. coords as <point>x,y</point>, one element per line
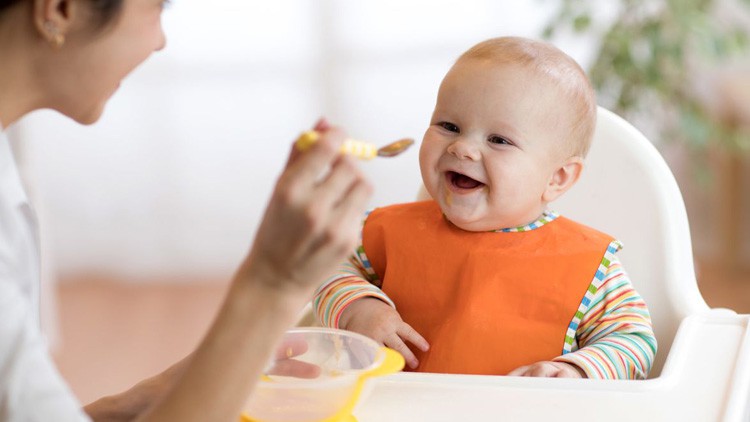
<point>462,181</point>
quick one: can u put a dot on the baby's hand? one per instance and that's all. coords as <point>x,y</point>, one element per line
<point>379,321</point>
<point>548,369</point>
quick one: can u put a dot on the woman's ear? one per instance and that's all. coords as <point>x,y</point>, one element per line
<point>54,18</point>
<point>563,179</point>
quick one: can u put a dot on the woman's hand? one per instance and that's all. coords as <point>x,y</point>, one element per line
<point>379,321</point>
<point>310,225</point>
<point>313,217</point>
<point>284,363</point>
<point>128,405</point>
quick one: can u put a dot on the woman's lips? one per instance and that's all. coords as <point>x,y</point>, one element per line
<point>461,182</point>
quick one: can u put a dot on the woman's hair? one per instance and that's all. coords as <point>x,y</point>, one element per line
<point>104,10</point>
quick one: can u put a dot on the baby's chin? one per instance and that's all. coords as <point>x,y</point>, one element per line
<point>469,224</point>
<point>480,225</point>
<point>467,212</point>
<point>475,217</point>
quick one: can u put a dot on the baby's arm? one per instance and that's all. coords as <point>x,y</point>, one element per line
<point>349,284</point>
<point>615,336</point>
<point>349,301</point>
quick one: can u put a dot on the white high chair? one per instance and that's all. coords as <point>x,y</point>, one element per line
<point>702,368</point>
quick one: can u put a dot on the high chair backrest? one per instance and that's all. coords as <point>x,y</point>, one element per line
<point>628,191</point>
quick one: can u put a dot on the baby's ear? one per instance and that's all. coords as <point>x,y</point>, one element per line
<point>563,179</point>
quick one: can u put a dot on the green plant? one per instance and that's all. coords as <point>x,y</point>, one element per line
<point>648,59</point>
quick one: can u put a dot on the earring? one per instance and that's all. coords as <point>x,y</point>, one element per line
<point>54,36</point>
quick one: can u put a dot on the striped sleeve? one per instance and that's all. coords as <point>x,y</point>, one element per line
<point>354,279</point>
<point>614,339</point>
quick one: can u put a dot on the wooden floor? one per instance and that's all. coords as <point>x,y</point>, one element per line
<point>116,333</point>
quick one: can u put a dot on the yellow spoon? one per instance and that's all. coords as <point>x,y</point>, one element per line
<point>359,149</point>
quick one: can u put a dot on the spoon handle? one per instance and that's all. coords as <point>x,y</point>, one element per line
<point>359,149</point>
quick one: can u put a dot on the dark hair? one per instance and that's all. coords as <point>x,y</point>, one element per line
<point>105,10</point>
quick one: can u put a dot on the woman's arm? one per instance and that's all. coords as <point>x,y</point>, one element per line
<point>309,226</point>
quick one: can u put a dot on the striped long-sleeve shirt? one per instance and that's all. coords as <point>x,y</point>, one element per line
<point>611,336</point>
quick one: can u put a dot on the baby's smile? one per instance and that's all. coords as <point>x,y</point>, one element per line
<point>461,182</point>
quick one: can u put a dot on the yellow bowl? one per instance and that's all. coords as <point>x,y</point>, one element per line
<point>318,376</point>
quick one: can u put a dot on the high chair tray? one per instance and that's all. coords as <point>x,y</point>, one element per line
<point>706,378</point>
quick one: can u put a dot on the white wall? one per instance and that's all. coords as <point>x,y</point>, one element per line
<point>175,176</point>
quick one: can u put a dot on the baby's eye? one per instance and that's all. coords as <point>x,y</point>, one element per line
<point>494,139</point>
<point>450,127</point>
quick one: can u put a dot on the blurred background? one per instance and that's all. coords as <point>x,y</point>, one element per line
<point>146,214</point>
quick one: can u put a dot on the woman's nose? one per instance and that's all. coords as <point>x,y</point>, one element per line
<point>464,149</point>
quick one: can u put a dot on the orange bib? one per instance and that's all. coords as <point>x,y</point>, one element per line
<point>487,302</point>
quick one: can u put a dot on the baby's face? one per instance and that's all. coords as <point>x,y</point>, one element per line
<point>493,145</point>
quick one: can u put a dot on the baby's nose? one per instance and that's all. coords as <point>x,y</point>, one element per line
<point>464,149</point>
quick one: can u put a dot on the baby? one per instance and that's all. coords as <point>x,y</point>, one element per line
<point>484,279</point>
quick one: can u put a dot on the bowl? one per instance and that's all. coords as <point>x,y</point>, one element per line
<point>318,375</point>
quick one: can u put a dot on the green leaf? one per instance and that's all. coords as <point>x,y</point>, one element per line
<point>740,37</point>
<point>644,60</point>
<point>548,32</point>
<point>695,127</point>
<point>582,22</point>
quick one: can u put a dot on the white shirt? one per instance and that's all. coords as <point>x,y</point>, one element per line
<point>31,389</point>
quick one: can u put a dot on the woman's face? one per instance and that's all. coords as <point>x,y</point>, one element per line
<point>89,67</point>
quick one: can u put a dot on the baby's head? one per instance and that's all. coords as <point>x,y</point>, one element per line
<point>513,121</point>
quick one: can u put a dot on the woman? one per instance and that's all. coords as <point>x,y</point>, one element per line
<point>70,55</point>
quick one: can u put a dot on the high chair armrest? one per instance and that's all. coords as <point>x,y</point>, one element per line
<point>706,378</point>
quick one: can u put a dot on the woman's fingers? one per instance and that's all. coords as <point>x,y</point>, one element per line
<point>305,169</point>
<point>321,186</point>
<point>349,215</point>
<point>332,189</point>
<point>341,196</point>
<point>321,125</point>
<point>295,368</point>
<point>313,218</point>
<point>294,344</point>
<point>344,195</point>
